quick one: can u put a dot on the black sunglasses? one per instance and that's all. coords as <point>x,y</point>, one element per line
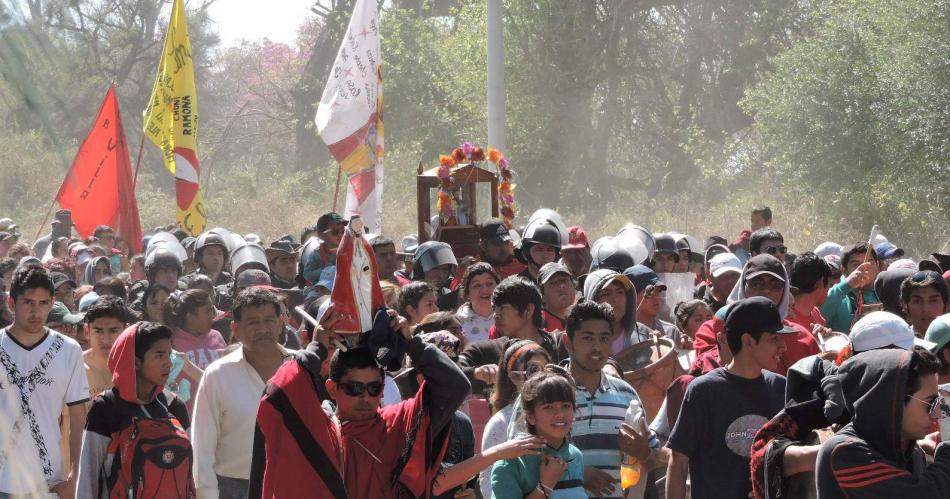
<point>355,389</point>
<point>777,249</point>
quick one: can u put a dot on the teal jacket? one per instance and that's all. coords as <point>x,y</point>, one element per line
<point>516,478</point>
<point>841,304</point>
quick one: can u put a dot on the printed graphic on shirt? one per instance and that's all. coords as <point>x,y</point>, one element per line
<point>26,385</point>
<point>741,432</point>
<point>202,357</point>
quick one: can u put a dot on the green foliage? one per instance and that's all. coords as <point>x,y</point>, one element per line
<point>855,114</point>
<point>676,115</point>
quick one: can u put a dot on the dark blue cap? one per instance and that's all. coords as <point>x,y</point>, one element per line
<point>642,277</point>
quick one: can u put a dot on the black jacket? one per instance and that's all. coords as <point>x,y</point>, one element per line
<point>866,459</point>
<point>491,351</point>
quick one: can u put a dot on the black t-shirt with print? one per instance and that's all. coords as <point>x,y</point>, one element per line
<point>719,418</point>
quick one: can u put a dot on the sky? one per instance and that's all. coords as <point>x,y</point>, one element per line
<point>276,20</point>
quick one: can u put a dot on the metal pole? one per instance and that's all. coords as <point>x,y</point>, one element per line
<point>496,76</point>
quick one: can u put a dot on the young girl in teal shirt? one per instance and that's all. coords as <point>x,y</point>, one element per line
<point>557,472</point>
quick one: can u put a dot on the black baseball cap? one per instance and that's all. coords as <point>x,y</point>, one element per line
<point>494,231</point>
<point>323,223</point>
<point>764,264</point>
<point>755,315</point>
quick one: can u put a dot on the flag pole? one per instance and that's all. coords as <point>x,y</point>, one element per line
<point>135,176</point>
<point>336,193</point>
<point>45,219</point>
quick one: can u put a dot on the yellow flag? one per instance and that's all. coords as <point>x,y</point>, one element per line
<point>171,121</point>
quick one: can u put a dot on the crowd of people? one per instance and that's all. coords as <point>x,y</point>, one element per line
<point>217,366</point>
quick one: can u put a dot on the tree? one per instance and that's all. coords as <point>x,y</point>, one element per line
<point>856,114</point>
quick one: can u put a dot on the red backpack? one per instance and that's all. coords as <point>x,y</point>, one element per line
<point>151,458</point>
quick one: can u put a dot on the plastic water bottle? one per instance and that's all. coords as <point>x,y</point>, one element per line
<point>630,468</point>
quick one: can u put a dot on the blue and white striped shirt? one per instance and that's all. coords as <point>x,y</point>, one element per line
<point>596,430</point>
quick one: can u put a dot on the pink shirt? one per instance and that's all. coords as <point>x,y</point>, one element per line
<point>201,350</point>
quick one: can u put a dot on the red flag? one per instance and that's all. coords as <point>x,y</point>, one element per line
<point>98,188</point>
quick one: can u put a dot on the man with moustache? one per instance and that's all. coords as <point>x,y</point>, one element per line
<point>226,404</point>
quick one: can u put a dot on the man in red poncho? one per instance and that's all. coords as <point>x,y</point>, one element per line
<point>304,447</point>
<point>326,435</point>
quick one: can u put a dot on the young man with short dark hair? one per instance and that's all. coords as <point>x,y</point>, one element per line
<point>601,402</point>
<point>666,255</point>
<point>417,300</point>
<point>768,240</point>
<point>650,296</point>
<point>105,236</point>
<point>924,297</point>
<point>517,305</point>
<point>42,372</point>
<point>894,402</point>
<point>140,362</point>
<point>761,217</point>
<point>104,321</point>
<point>355,449</point>
<point>857,276</point>
<point>723,409</point>
<point>810,277</point>
<point>497,248</point>
<point>387,260</point>
<point>226,403</point>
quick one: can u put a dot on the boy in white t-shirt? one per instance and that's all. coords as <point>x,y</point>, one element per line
<point>40,371</point>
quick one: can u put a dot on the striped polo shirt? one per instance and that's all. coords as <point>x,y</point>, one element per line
<point>596,430</point>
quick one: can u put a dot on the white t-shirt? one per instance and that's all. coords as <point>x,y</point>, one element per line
<point>476,327</point>
<point>496,432</point>
<point>36,383</point>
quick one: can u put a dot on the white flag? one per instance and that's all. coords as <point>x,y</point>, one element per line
<point>350,115</point>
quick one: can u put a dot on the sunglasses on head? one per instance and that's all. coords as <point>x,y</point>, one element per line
<point>923,275</point>
<point>777,249</point>
<point>531,370</point>
<point>356,388</point>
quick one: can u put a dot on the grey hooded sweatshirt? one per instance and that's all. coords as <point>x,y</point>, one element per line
<point>633,332</point>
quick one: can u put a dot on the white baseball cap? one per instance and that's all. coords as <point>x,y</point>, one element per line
<point>882,329</point>
<point>724,262</point>
<point>829,248</point>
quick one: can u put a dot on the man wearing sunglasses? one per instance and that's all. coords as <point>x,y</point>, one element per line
<point>895,403</point>
<point>650,297</point>
<point>306,447</point>
<point>330,228</point>
<point>770,241</point>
